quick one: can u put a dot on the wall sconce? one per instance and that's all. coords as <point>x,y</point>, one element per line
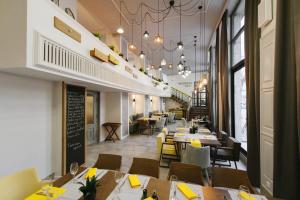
<point>133,100</point>
<point>151,100</point>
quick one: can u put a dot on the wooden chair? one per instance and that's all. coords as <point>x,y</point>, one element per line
<point>186,172</point>
<point>109,161</point>
<point>166,148</point>
<point>145,166</point>
<point>230,178</point>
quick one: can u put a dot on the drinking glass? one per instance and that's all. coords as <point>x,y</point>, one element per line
<point>245,189</point>
<point>74,169</point>
<point>174,178</point>
<point>118,178</point>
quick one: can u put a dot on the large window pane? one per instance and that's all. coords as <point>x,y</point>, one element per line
<point>238,18</point>
<point>238,49</point>
<point>240,109</point>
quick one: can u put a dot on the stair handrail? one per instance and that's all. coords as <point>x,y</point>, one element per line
<point>181,95</point>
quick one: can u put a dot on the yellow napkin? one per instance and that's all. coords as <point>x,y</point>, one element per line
<point>186,191</point>
<point>149,198</point>
<point>246,196</point>
<point>91,172</point>
<point>180,134</point>
<point>196,143</point>
<point>55,191</point>
<point>134,181</point>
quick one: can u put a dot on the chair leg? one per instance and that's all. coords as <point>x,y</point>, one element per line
<point>206,174</point>
<point>235,165</point>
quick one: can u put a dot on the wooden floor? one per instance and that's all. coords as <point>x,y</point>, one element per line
<point>133,146</point>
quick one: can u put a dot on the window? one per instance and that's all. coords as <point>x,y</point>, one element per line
<point>238,78</point>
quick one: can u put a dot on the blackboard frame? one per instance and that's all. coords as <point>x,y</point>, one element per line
<point>64,126</point>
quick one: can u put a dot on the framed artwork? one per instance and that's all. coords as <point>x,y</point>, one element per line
<point>56,2</point>
<point>69,12</point>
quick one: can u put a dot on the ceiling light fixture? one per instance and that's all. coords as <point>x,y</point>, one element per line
<point>146,33</point>
<point>131,46</point>
<point>158,39</point>
<point>142,54</point>
<point>182,56</point>
<point>160,68</point>
<point>180,65</point>
<point>180,43</point>
<point>120,30</point>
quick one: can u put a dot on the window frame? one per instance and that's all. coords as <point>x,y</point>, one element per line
<point>235,67</point>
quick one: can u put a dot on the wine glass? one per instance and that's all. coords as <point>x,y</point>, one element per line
<point>245,189</point>
<point>118,178</point>
<point>74,169</point>
<point>174,178</point>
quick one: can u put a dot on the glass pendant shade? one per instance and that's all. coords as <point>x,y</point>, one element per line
<point>132,47</point>
<point>170,65</point>
<point>142,55</point>
<point>120,30</point>
<point>182,56</point>
<point>146,35</point>
<point>180,65</point>
<point>158,39</point>
<point>180,45</point>
<point>163,62</point>
<point>160,68</point>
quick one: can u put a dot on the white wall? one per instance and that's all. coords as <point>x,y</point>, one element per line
<point>138,106</point>
<point>171,104</point>
<point>113,109</point>
<point>155,105</point>
<point>72,4</point>
<point>30,125</point>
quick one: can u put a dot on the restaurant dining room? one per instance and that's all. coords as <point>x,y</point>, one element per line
<point>149,99</point>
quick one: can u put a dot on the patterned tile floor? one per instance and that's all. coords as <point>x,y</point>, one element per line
<point>133,146</point>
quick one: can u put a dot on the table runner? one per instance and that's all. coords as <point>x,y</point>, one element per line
<point>161,187</point>
<point>124,191</point>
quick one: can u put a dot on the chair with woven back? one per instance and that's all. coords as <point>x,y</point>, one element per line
<point>109,161</point>
<point>145,166</point>
<point>230,178</point>
<point>186,172</point>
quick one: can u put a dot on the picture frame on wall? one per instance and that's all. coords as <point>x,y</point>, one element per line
<point>56,2</point>
<point>69,12</point>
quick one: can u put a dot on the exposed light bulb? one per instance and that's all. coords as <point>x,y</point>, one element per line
<point>163,62</point>
<point>152,66</point>
<point>182,56</point>
<point>142,55</point>
<point>195,91</point>
<point>180,65</point>
<point>160,68</point>
<point>170,66</point>
<point>200,85</point>
<point>204,81</point>
<point>132,47</point>
<point>183,76</point>
<point>158,39</point>
<point>146,34</point>
<point>120,30</point>
<point>180,45</point>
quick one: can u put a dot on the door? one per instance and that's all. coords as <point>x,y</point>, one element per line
<point>92,113</point>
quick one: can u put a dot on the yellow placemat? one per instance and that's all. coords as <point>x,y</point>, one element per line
<point>186,191</point>
<point>54,191</point>
<point>134,181</point>
<point>180,134</point>
<point>246,196</point>
<point>91,172</point>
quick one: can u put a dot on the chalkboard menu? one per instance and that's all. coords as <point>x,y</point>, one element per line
<point>75,126</point>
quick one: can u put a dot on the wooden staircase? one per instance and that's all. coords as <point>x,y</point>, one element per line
<point>181,97</point>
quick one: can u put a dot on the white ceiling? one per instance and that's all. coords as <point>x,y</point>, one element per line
<point>108,12</point>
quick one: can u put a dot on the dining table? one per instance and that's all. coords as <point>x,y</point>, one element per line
<point>205,139</point>
<point>111,189</point>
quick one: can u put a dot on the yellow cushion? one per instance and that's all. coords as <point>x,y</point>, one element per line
<point>169,149</point>
<point>196,143</point>
<point>91,173</point>
<point>186,191</point>
<point>181,129</point>
<point>246,196</point>
<point>19,185</point>
<point>134,181</point>
<point>55,191</point>
<point>160,138</point>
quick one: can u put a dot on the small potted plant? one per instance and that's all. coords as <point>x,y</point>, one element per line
<point>141,69</point>
<point>193,129</point>
<point>89,190</point>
